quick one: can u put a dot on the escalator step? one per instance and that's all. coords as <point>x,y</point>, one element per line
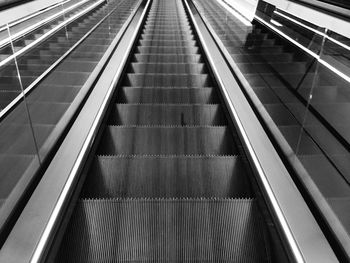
<point>165,230</point>
<point>167,114</point>
<point>160,140</point>
<point>163,42</point>
<point>167,95</point>
<point>166,37</point>
<point>170,80</point>
<point>138,176</point>
<point>168,58</point>
<point>166,28</point>
<point>168,68</point>
<point>167,50</point>
<point>167,176</point>
<point>161,31</point>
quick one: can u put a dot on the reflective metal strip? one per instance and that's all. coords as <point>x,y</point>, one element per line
<point>298,227</point>
<point>32,234</point>
<point>47,34</point>
<point>20,96</point>
<point>42,22</point>
<point>319,59</point>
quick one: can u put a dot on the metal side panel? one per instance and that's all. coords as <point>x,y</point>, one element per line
<point>297,225</point>
<point>32,235</point>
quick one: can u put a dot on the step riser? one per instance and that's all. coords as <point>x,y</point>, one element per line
<point>167,50</point>
<point>167,115</point>
<point>161,141</point>
<point>167,95</point>
<point>167,68</point>
<point>168,58</point>
<point>167,177</point>
<point>166,80</point>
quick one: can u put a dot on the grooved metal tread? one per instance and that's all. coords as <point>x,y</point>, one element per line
<point>165,230</point>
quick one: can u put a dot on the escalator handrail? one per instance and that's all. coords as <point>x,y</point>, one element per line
<point>317,197</point>
<point>318,57</point>
<point>322,34</point>
<point>37,225</point>
<point>298,227</point>
<point>5,111</point>
<point>25,18</point>
<point>48,34</point>
<point>32,27</point>
<point>21,189</point>
<point>325,7</point>
<point>11,3</point>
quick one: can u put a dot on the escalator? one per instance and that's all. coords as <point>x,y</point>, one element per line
<point>302,102</point>
<point>31,129</point>
<point>46,50</point>
<point>165,161</point>
<point>169,180</point>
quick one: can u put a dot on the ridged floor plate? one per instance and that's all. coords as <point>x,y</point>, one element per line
<point>164,230</point>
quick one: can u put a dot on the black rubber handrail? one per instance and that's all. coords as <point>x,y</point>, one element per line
<point>6,4</point>
<point>331,7</point>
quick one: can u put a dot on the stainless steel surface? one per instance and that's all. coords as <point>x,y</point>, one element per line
<point>314,15</point>
<point>31,235</point>
<point>173,171</point>
<point>298,226</point>
<point>193,201</point>
<point>28,89</point>
<point>51,106</point>
<point>316,157</point>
